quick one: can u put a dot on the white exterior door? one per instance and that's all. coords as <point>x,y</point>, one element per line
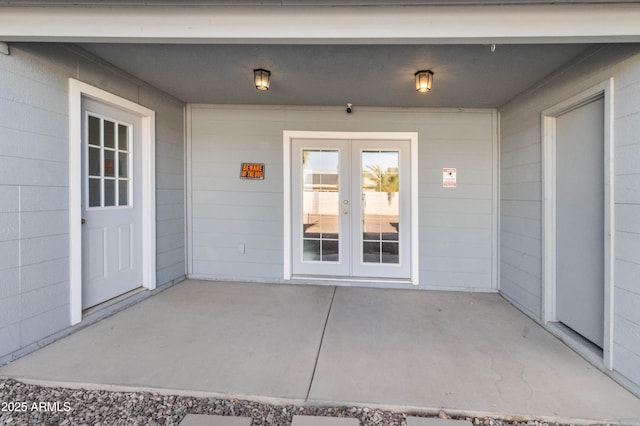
<point>111,208</point>
<point>351,208</point>
<point>580,226</point>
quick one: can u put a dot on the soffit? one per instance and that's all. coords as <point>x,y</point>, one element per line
<point>373,75</point>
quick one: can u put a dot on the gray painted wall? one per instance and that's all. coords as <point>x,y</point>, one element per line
<point>34,230</point>
<point>521,189</point>
<point>455,225</point>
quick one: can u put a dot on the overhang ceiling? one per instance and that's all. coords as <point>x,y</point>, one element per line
<point>365,53</point>
<point>366,75</point>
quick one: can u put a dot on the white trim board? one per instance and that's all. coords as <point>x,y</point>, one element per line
<point>470,24</point>
<point>289,135</point>
<point>77,90</point>
<point>188,191</point>
<point>549,117</point>
<point>495,204</point>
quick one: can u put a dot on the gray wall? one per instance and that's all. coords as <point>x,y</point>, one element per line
<point>521,189</point>
<point>34,230</point>
<point>455,225</point>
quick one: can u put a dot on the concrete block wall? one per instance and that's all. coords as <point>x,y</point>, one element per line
<point>521,190</point>
<point>34,202</point>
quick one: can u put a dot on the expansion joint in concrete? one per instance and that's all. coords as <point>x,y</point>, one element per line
<point>324,329</point>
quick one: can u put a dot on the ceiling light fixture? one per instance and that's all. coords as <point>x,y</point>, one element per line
<point>262,78</point>
<point>424,80</point>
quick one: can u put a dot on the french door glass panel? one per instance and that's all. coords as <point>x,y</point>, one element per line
<point>349,199</point>
<point>320,205</point>
<point>380,206</point>
<point>319,170</point>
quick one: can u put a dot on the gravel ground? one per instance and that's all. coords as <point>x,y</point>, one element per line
<point>24,404</point>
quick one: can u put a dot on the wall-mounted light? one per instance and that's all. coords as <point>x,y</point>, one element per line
<point>262,78</point>
<point>424,80</point>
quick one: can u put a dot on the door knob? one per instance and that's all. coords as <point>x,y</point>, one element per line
<point>345,211</point>
<point>82,222</point>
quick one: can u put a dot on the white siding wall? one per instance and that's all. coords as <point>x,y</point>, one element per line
<point>456,225</point>
<point>521,227</point>
<point>34,202</point>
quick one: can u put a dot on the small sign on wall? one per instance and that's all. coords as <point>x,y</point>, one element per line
<point>449,177</point>
<point>252,171</point>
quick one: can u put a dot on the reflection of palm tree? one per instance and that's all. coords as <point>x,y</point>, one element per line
<point>381,181</point>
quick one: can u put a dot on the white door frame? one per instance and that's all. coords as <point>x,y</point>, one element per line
<point>289,135</point>
<point>549,117</point>
<point>77,90</point>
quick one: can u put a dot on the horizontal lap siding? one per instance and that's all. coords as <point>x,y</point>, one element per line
<point>627,220</point>
<point>521,192</point>
<point>228,211</point>
<point>455,225</point>
<point>34,192</point>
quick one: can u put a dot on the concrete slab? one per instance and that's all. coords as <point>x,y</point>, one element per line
<point>228,338</point>
<point>323,421</point>
<point>412,350</point>
<point>207,420</point>
<point>424,421</point>
<point>457,350</point>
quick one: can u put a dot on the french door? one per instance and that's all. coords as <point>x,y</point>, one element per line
<point>351,208</point>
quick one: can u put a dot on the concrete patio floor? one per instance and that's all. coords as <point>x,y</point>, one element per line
<point>412,350</point>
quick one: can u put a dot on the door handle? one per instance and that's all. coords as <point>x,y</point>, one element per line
<point>82,221</point>
<point>345,211</point>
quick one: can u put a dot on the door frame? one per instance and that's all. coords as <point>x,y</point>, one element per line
<point>412,137</point>
<point>549,118</point>
<point>77,90</point>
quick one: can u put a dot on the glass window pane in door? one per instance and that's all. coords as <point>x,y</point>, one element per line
<point>109,163</point>
<point>123,137</point>
<point>320,205</point>
<point>123,166</point>
<point>123,192</point>
<point>95,190</point>
<point>311,249</point>
<point>371,252</point>
<point>109,134</point>
<point>390,252</point>
<point>109,192</point>
<point>94,162</point>
<point>380,205</point>
<point>94,131</point>
<point>330,250</point>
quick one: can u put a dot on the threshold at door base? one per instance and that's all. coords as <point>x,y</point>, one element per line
<point>351,281</point>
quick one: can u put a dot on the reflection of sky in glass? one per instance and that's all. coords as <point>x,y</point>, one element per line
<point>325,161</point>
<point>383,159</point>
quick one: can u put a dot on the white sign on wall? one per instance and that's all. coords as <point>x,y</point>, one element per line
<point>449,177</point>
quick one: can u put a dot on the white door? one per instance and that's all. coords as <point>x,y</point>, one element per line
<point>351,208</point>
<point>111,210</point>
<point>580,220</point>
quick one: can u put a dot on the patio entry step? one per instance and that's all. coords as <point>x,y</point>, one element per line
<point>211,420</point>
<point>423,421</point>
<point>324,421</point>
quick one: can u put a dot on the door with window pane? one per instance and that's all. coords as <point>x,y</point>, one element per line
<point>351,208</point>
<point>320,199</point>
<point>111,215</point>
